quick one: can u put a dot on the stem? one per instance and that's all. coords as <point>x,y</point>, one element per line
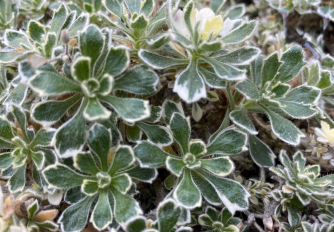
<point>230,97</point>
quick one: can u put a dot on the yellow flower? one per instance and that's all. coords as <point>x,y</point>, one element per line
<point>325,134</point>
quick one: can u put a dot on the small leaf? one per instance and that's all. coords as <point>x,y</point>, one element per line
<point>123,158</point>
<point>260,152</point>
<point>227,142</point>
<point>17,182</point>
<point>6,160</point>
<point>284,129</point>
<point>113,7</point>
<point>43,138</point>
<point>175,165</point>
<point>240,118</point>
<point>129,109</point>
<point>117,61</point>
<point>197,147</point>
<point>50,42</point>
<point>168,213</point>
<point>150,155</point>
<point>160,62</point>
<point>125,206</point>
<point>270,68</point>
<point>303,95</point>
<point>187,193</point>
<point>6,129</point>
<point>293,61</point>
<point>99,141</point>
<point>52,84</point>
<point>102,213</point>
<point>85,162</point>
<point>79,23</point>
<point>241,33</point>
<point>32,209</point>
<point>242,56</point>
<point>140,23</point>
<point>169,108</point>
<point>81,69</point>
<point>121,182</point>
<point>156,113</point>
<point>147,7</point>
<point>95,111</point>
<point>17,39</point>
<point>220,166</point>
<point>48,113</point>
<point>189,84</point>
<point>74,218</point>
<point>248,89</point>
<point>91,44</point>
<point>71,136</point>
<point>159,135</point>
<point>143,174</point>
<point>196,112</point>
<point>59,19</point>
<point>299,111</point>
<point>313,73</point>
<point>139,80</point>
<point>234,195</point>
<point>36,31</point>
<point>38,158</point>
<point>180,128</point>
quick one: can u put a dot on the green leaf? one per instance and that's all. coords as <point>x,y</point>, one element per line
<point>220,166</point>
<point>197,147</point>
<point>207,190</point>
<point>129,109</point>
<point>7,57</point>
<point>6,129</point>
<point>248,89</point>
<point>32,209</point>
<point>325,82</point>
<point>43,137</point>
<point>303,95</point>
<point>168,213</point>
<point>62,177</point>
<point>95,111</point>
<point>180,128</point>
<point>18,180</point>
<point>327,62</point>
<point>158,135</point>
<point>52,84</point>
<point>217,5</point>
<point>48,113</point>
<point>89,187</point>
<point>156,113</point>
<point>205,220</point>
<point>147,7</point>
<point>256,70</point>
<point>121,182</point>
<point>242,56</point>
<point>17,39</point>
<point>236,11</point>
<point>117,61</point>
<point>280,90</point>
<point>136,224</point>
<point>99,141</point>
<point>21,118</point>
<point>228,142</point>
<point>102,213</point>
<point>189,84</point>
<point>85,162</point>
<point>293,61</point>
<point>139,23</point>
<point>50,42</point>
<point>270,68</point>
<point>38,158</point>
<point>125,206</point>
<point>147,175</point>
<point>123,158</point>
<point>261,154</point>
<point>74,218</point>
<point>187,193</point>
<point>188,16</point>
<point>160,62</point>
<point>313,73</point>
<point>81,69</point>
<point>211,78</point>
<point>91,44</point>
<point>35,31</point>
<point>297,110</point>
<point>225,71</point>
<point>241,33</point>
<point>234,195</point>
<point>241,119</point>
<point>175,165</point>
<point>139,80</point>
<point>71,136</point>
<point>169,108</point>
<point>113,7</point>
<point>59,19</point>
<point>133,133</point>
<point>293,217</point>
<point>6,160</point>
<point>211,46</point>
<point>78,24</point>
<point>284,129</point>
<point>149,155</point>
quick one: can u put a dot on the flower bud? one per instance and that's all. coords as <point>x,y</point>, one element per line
<point>65,36</point>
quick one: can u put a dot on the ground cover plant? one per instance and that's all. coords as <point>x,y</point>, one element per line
<point>166,115</point>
